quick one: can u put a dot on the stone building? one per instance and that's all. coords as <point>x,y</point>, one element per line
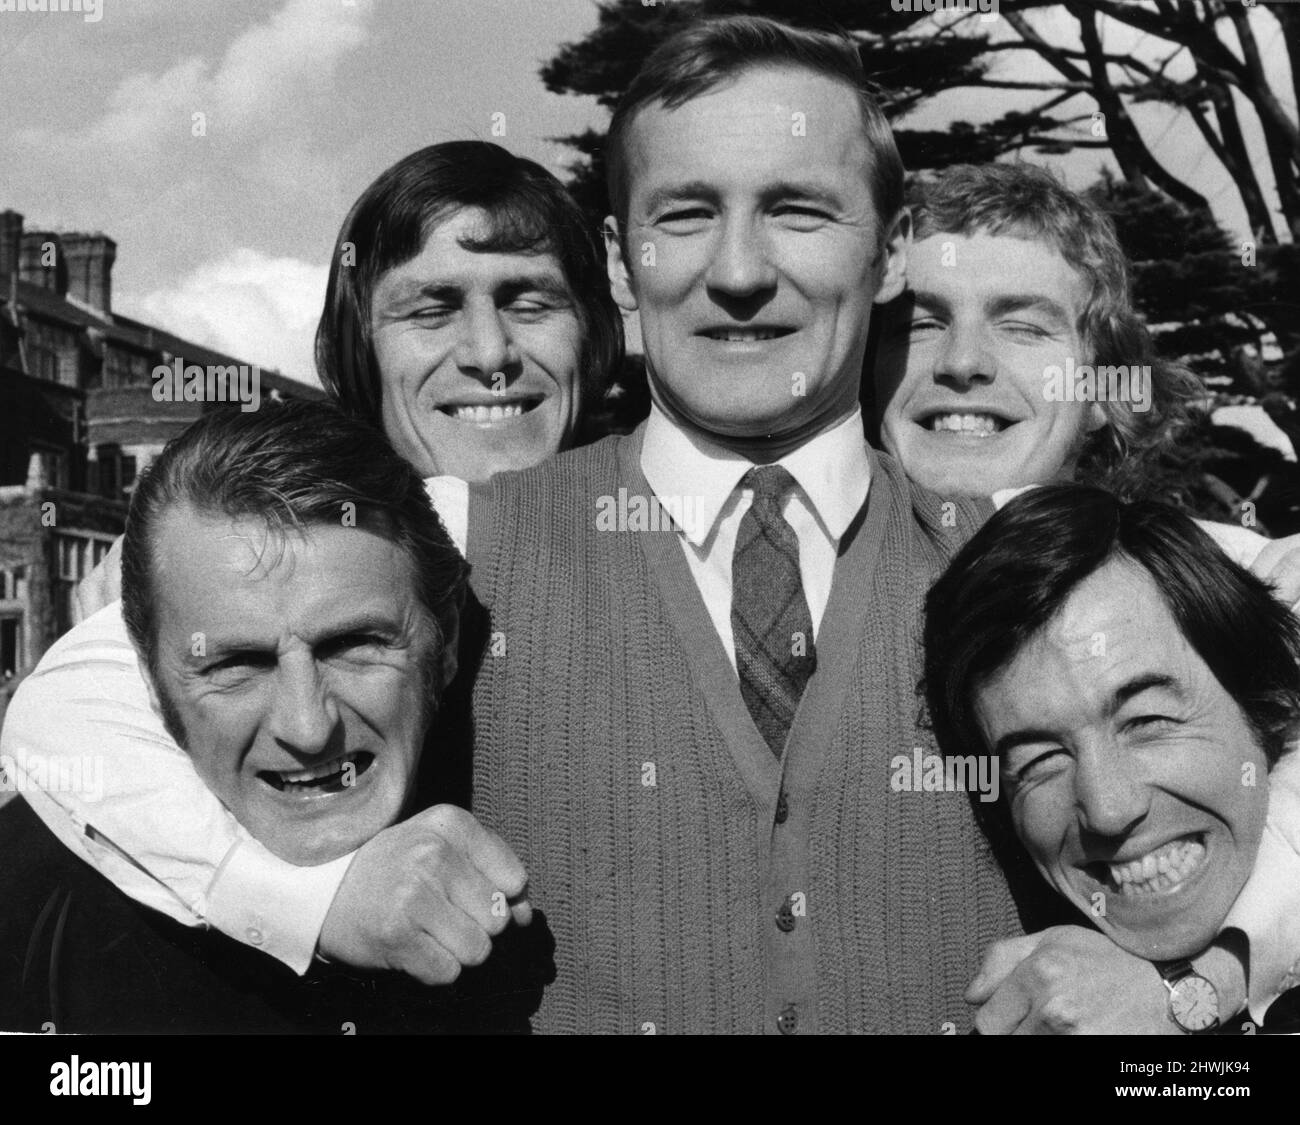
<point>79,421</point>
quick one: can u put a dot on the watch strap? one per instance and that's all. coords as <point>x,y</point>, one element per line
<point>1174,971</point>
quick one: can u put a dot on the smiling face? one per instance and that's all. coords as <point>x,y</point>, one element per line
<point>959,374</point>
<point>306,706</point>
<point>479,355</point>
<point>1131,773</point>
<point>754,253</point>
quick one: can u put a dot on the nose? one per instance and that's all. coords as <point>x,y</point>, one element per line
<point>304,714</point>
<point>486,345</point>
<point>965,357</point>
<point>1109,797</point>
<point>740,265</point>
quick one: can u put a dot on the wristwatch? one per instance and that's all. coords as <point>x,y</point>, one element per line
<point>1193,1000</point>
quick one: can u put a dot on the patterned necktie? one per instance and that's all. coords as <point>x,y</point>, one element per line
<point>770,621</point>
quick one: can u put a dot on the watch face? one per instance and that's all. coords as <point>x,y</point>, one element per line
<point>1194,1004</point>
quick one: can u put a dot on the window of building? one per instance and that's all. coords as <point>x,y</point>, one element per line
<point>69,369</point>
<point>13,584</point>
<point>11,639</point>
<point>122,369</point>
<point>113,473</point>
<point>80,552</point>
<point>43,363</point>
<point>54,466</point>
<point>77,554</point>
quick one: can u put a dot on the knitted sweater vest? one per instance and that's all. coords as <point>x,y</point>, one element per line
<point>690,881</point>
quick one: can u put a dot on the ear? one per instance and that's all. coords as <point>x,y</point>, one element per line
<point>1097,418</point>
<point>894,250</point>
<point>620,277</point>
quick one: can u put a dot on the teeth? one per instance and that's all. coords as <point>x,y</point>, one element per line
<point>494,413</point>
<point>977,425</point>
<point>298,777</point>
<point>733,336</point>
<point>1160,870</point>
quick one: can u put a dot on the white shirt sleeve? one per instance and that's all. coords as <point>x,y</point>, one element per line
<point>1268,909</point>
<point>1004,496</point>
<point>85,747</point>
<point>450,499</point>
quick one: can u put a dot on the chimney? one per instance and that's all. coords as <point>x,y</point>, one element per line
<point>11,242</point>
<point>40,261</point>
<point>90,260</point>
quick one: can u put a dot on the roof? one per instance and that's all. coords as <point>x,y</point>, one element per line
<point>128,333</point>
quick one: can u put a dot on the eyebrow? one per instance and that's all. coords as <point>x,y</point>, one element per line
<point>792,189</point>
<point>1016,738</point>
<point>1027,302</point>
<point>770,193</point>
<point>999,305</point>
<point>365,621</point>
<point>1151,681</point>
<point>412,289</point>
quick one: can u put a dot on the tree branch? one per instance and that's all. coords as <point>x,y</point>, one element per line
<point>1256,87</point>
<point>1136,160</point>
<point>1182,28</point>
<point>1233,155</point>
<point>1057,56</point>
<point>1071,88</point>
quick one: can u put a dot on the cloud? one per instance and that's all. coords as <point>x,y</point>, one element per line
<point>261,85</point>
<point>254,307</point>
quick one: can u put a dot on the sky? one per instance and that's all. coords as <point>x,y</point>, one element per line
<point>221,144</point>
<point>226,237</point>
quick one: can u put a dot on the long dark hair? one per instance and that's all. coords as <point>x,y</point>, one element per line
<point>530,212</point>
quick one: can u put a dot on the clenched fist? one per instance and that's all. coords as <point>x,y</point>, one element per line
<point>426,897</point>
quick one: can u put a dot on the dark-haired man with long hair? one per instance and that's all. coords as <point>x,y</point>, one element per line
<point>467,312</point>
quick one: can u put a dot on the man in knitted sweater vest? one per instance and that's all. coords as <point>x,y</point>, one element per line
<point>701,871</point>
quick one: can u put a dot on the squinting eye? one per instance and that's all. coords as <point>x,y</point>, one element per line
<point>686,216</point>
<point>1025,328</point>
<point>807,214</point>
<point>529,308</point>
<point>351,643</point>
<point>434,312</point>
<point>243,661</point>
<point>1039,766</point>
<point>1150,723</point>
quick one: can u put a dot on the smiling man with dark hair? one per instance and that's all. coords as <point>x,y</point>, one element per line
<point>1137,688</point>
<point>466,312</point>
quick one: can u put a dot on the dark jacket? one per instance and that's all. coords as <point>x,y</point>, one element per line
<point>78,956</point>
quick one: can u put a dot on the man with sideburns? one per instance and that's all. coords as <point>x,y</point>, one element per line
<point>294,604</point>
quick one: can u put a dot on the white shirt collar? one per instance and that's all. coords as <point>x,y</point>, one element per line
<point>691,474</point>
